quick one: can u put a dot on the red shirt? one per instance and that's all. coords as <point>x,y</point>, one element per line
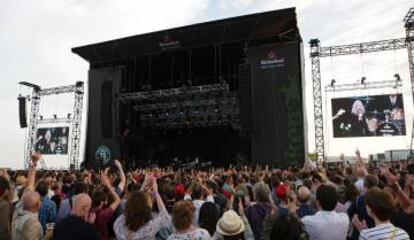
<point>101,222</point>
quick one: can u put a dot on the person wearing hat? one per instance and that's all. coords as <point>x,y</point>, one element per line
<point>281,193</point>
<point>233,226</point>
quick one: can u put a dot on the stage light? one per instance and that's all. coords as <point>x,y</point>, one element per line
<point>41,117</point>
<point>69,115</point>
<point>397,77</point>
<point>333,81</point>
<point>363,79</point>
<point>54,116</point>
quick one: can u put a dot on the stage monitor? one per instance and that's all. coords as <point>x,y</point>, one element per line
<point>368,116</point>
<point>52,140</point>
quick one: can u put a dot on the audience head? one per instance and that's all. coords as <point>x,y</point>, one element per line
<point>370,181</point>
<point>327,197</point>
<point>81,205</point>
<point>261,192</point>
<point>182,215</point>
<point>57,188</point>
<point>360,172</point>
<point>197,191</point>
<point>303,194</point>
<point>286,227</point>
<point>169,192</point>
<point>281,192</point>
<point>138,210</point>
<point>42,188</point>
<point>351,192</point>
<point>31,201</point>
<point>99,198</point>
<point>380,204</point>
<point>79,187</point>
<point>4,185</point>
<point>209,215</point>
<point>231,226</point>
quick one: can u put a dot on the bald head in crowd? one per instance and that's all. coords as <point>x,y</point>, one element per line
<point>81,205</point>
<point>31,201</point>
<point>303,194</point>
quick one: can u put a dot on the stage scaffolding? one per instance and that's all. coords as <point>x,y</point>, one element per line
<point>75,121</point>
<point>317,52</point>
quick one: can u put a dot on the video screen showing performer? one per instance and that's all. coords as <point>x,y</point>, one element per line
<point>52,140</point>
<point>364,116</point>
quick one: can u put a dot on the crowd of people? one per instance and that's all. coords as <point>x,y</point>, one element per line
<point>348,201</point>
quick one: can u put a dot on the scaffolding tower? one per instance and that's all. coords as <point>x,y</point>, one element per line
<point>317,52</point>
<point>75,121</point>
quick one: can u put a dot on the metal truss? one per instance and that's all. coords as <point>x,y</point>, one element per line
<point>173,92</point>
<point>359,86</point>
<point>186,104</point>
<point>365,47</point>
<point>76,125</point>
<point>317,99</point>
<point>54,120</point>
<point>409,27</point>
<point>317,52</point>
<point>34,118</point>
<point>75,121</point>
<point>58,90</point>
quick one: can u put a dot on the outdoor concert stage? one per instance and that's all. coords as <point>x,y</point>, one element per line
<point>226,91</point>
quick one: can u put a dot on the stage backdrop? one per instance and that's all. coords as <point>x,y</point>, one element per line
<point>102,143</point>
<point>368,116</point>
<point>277,136</point>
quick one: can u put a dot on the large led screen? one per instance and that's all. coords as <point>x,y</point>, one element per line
<point>366,116</point>
<point>52,140</point>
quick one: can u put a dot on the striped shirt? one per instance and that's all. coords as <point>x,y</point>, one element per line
<point>384,231</point>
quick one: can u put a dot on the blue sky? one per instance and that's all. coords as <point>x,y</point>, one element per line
<point>36,39</point>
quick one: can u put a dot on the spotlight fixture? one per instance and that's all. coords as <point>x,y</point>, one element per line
<point>333,81</point>
<point>54,116</point>
<point>41,117</point>
<point>69,115</point>
<point>397,77</point>
<point>363,79</point>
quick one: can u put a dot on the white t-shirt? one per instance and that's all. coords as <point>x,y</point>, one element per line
<point>197,234</point>
<point>384,231</point>
<point>359,184</point>
<point>197,205</point>
<point>327,225</point>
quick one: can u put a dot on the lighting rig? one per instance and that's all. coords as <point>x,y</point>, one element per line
<point>195,106</point>
<point>364,85</point>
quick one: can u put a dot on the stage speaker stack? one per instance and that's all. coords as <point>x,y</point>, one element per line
<point>22,111</point>
<point>106,109</point>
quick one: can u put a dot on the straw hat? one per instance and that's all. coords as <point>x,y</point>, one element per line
<point>230,224</point>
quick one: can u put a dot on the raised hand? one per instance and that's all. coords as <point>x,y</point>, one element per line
<point>105,181</point>
<point>360,225</point>
<point>35,157</point>
<point>117,164</point>
<point>90,218</point>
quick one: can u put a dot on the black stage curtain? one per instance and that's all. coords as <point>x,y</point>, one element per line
<point>277,136</point>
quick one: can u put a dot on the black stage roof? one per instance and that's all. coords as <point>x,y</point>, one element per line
<point>279,24</point>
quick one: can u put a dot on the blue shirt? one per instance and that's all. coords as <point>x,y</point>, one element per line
<point>47,212</point>
<point>305,210</point>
